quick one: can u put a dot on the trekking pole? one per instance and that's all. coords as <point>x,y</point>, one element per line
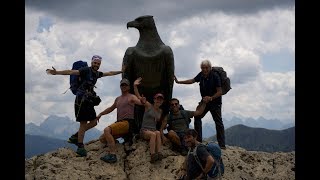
<point>80,107</point>
<point>66,91</point>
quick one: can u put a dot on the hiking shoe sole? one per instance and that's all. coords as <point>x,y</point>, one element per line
<point>109,158</point>
<point>160,156</point>
<point>81,152</point>
<point>72,142</point>
<point>153,158</point>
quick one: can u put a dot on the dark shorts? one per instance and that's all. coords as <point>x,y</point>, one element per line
<point>83,110</point>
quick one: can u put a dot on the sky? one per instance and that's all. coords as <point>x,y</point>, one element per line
<point>254,41</point>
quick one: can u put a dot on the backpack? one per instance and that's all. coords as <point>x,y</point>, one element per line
<point>215,151</point>
<point>225,80</point>
<point>183,114</point>
<point>75,81</point>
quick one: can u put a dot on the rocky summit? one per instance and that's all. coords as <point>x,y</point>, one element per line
<point>134,164</point>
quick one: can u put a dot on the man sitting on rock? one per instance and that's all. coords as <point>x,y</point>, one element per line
<point>178,121</point>
<point>125,117</point>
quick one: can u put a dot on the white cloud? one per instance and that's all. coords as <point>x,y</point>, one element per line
<point>235,42</point>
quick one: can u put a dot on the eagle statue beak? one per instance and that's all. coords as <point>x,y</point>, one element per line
<point>134,24</point>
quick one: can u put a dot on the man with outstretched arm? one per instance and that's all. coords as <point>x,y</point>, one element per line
<point>210,89</point>
<point>83,108</point>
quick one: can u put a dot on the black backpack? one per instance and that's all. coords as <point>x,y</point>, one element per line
<point>183,114</point>
<point>225,80</point>
<point>76,82</point>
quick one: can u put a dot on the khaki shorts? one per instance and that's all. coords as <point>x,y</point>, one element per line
<point>119,128</point>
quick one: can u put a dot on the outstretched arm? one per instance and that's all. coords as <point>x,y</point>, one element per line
<point>189,81</point>
<point>112,73</point>
<point>53,71</point>
<point>107,111</point>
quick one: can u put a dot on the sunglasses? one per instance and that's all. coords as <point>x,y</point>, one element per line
<point>123,84</point>
<point>174,104</point>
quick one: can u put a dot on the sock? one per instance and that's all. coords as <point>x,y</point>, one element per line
<point>75,135</point>
<point>80,145</point>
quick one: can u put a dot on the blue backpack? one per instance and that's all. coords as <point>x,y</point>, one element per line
<point>75,81</point>
<point>217,169</point>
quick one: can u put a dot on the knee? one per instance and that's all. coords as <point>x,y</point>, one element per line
<point>107,130</point>
<point>171,134</point>
<point>102,139</point>
<point>153,135</point>
<point>157,133</point>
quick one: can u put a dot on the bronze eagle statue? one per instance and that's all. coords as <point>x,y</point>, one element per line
<point>152,60</point>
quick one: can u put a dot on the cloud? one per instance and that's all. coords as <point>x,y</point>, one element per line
<point>272,92</point>
<point>236,41</point>
<point>120,12</point>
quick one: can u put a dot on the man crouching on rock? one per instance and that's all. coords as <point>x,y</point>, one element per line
<point>191,169</point>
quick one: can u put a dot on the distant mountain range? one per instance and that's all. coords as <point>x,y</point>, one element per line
<point>60,128</point>
<point>209,128</point>
<point>35,145</point>
<point>260,139</point>
<point>64,127</point>
<point>54,131</point>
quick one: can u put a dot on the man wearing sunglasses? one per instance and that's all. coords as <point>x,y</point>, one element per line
<point>178,123</point>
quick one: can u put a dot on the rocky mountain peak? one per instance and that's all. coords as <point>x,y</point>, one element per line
<point>134,164</point>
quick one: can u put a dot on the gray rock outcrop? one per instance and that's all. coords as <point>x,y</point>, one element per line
<point>133,163</point>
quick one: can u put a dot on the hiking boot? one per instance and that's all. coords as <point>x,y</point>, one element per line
<point>81,152</point>
<point>73,140</point>
<point>223,147</point>
<point>160,156</point>
<point>109,158</point>
<point>154,158</point>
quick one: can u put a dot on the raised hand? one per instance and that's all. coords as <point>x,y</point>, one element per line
<point>137,81</point>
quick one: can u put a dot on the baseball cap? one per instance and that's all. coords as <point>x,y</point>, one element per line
<point>158,95</point>
<point>125,81</point>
